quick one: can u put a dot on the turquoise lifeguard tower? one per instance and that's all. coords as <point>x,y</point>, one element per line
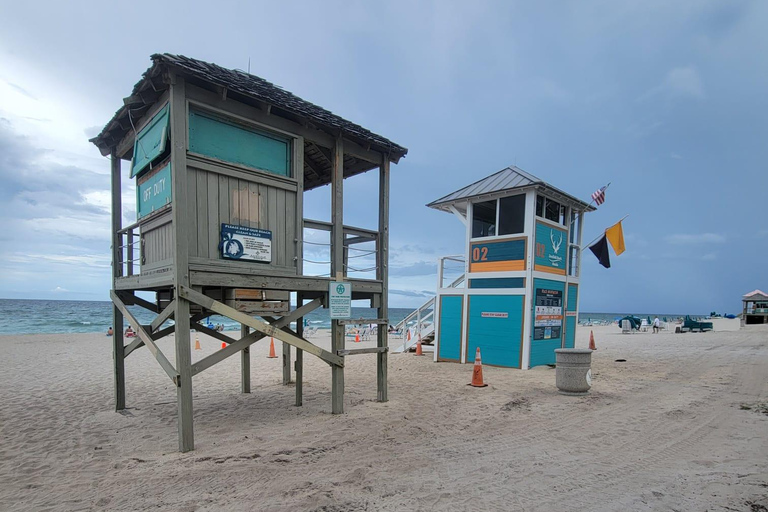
<point>518,298</point>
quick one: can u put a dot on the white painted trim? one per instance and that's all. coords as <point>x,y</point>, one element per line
<point>530,230</point>
<point>465,302</point>
<point>490,275</point>
<point>497,291</point>
<point>457,213</point>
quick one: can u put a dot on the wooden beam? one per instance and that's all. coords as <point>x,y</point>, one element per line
<point>210,332</point>
<point>136,343</point>
<point>299,363</point>
<point>337,268</point>
<point>118,350</point>
<point>163,316</point>
<point>258,325</point>
<point>251,338</point>
<point>356,351</point>
<point>382,274</point>
<point>181,227</point>
<point>304,283</point>
<point>311,165</point>
<point>358,240</point>
<point>245,363</point>
<point>364,321</point>
<point>129,299</point>
<point>146,338</point>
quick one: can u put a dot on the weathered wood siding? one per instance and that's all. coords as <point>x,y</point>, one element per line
<point>157,242</point>
<point>215,198</point>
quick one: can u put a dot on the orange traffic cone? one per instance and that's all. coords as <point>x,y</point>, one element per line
<point>409,336</point>
<point>357,338</point>
<point>418,348</point>
<point>477,372</point>
<point>197,343</point>
<point>223,344</point>
<point>272,349</point>
<point>592,341</point>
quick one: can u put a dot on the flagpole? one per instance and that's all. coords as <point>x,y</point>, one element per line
<point>601,234</point>
<point>589,204</point>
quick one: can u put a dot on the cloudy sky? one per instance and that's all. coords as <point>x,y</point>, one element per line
<point>666,100</point>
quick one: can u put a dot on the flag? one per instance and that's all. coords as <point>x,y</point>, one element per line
<point>615,235</point>
<point>598,196</point>
<point>600,249</point>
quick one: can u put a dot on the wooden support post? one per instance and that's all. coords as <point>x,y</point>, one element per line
<point>286,364</point>
<point>181,226</point>
<point>299,365</point>
<point>382,273</point>
<point>118,350</point>
<point>245,363</point>
<point>337,269</point>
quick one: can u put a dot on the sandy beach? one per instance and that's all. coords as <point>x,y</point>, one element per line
<point>678,426</point>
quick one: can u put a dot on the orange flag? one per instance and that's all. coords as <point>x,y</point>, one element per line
<point>615,235</point>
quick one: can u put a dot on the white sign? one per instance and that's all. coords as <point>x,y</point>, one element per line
<point>493,314</point>
<point>244,243</point>
<point>340,300</point>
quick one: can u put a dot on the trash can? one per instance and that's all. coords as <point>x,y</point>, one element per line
<point>573,370</point>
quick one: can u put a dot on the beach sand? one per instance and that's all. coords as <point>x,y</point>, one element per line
<point>666,430</point>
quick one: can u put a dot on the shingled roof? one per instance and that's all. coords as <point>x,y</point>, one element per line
<point>245,86</point>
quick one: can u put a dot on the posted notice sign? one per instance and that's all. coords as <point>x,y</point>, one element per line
<point>340,300</point>
<point>244,243</point>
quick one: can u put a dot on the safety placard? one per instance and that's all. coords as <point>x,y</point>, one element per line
<point>340,300</point>
<point>548,314</point>
<point>244,243</point>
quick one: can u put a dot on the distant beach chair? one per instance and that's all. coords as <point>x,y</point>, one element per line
<point>644,325</point>
<point>626,327</point>
<point>310,331</point>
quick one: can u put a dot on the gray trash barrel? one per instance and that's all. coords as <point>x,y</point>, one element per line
<point>573,375</point>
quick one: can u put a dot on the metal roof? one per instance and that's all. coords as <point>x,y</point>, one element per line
<point>511,178</point>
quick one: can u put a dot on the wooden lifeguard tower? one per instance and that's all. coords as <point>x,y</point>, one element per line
<point>222,159</point>
<point>517,298</point>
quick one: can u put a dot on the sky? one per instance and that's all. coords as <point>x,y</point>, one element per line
<point>665,100</point>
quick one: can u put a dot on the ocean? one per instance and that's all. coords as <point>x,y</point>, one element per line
<point>70,316</point>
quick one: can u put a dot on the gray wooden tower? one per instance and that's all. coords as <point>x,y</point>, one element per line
<point>221,160</point>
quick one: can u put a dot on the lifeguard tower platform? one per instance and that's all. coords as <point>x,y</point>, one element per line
<point>518,296</point>
<point>221,160</point>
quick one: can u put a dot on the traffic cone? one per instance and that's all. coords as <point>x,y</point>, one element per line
<point>272,349</point>
<point>408,338</point>
<point>592,341</point>
<point>418,348</point>
<point>197,343</point>
<point>357,338</point>
<point>223,344</point>
<point>477,372</point>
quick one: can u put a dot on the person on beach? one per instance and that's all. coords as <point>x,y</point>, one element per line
<point>110,331</point>
<point>129,332</point>
<point>656,325</point>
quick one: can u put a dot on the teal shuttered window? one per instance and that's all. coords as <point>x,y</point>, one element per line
<point>151,142</point>
<point>224,140</point>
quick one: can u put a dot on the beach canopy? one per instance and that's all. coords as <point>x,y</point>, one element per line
<point>634,321</point>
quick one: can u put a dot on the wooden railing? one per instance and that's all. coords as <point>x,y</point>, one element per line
<point>361,263</point>
<point>127,239</point>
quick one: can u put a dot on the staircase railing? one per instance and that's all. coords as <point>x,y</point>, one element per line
<point>423,318</point>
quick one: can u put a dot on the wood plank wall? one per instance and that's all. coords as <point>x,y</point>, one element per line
<point>220,198</point>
